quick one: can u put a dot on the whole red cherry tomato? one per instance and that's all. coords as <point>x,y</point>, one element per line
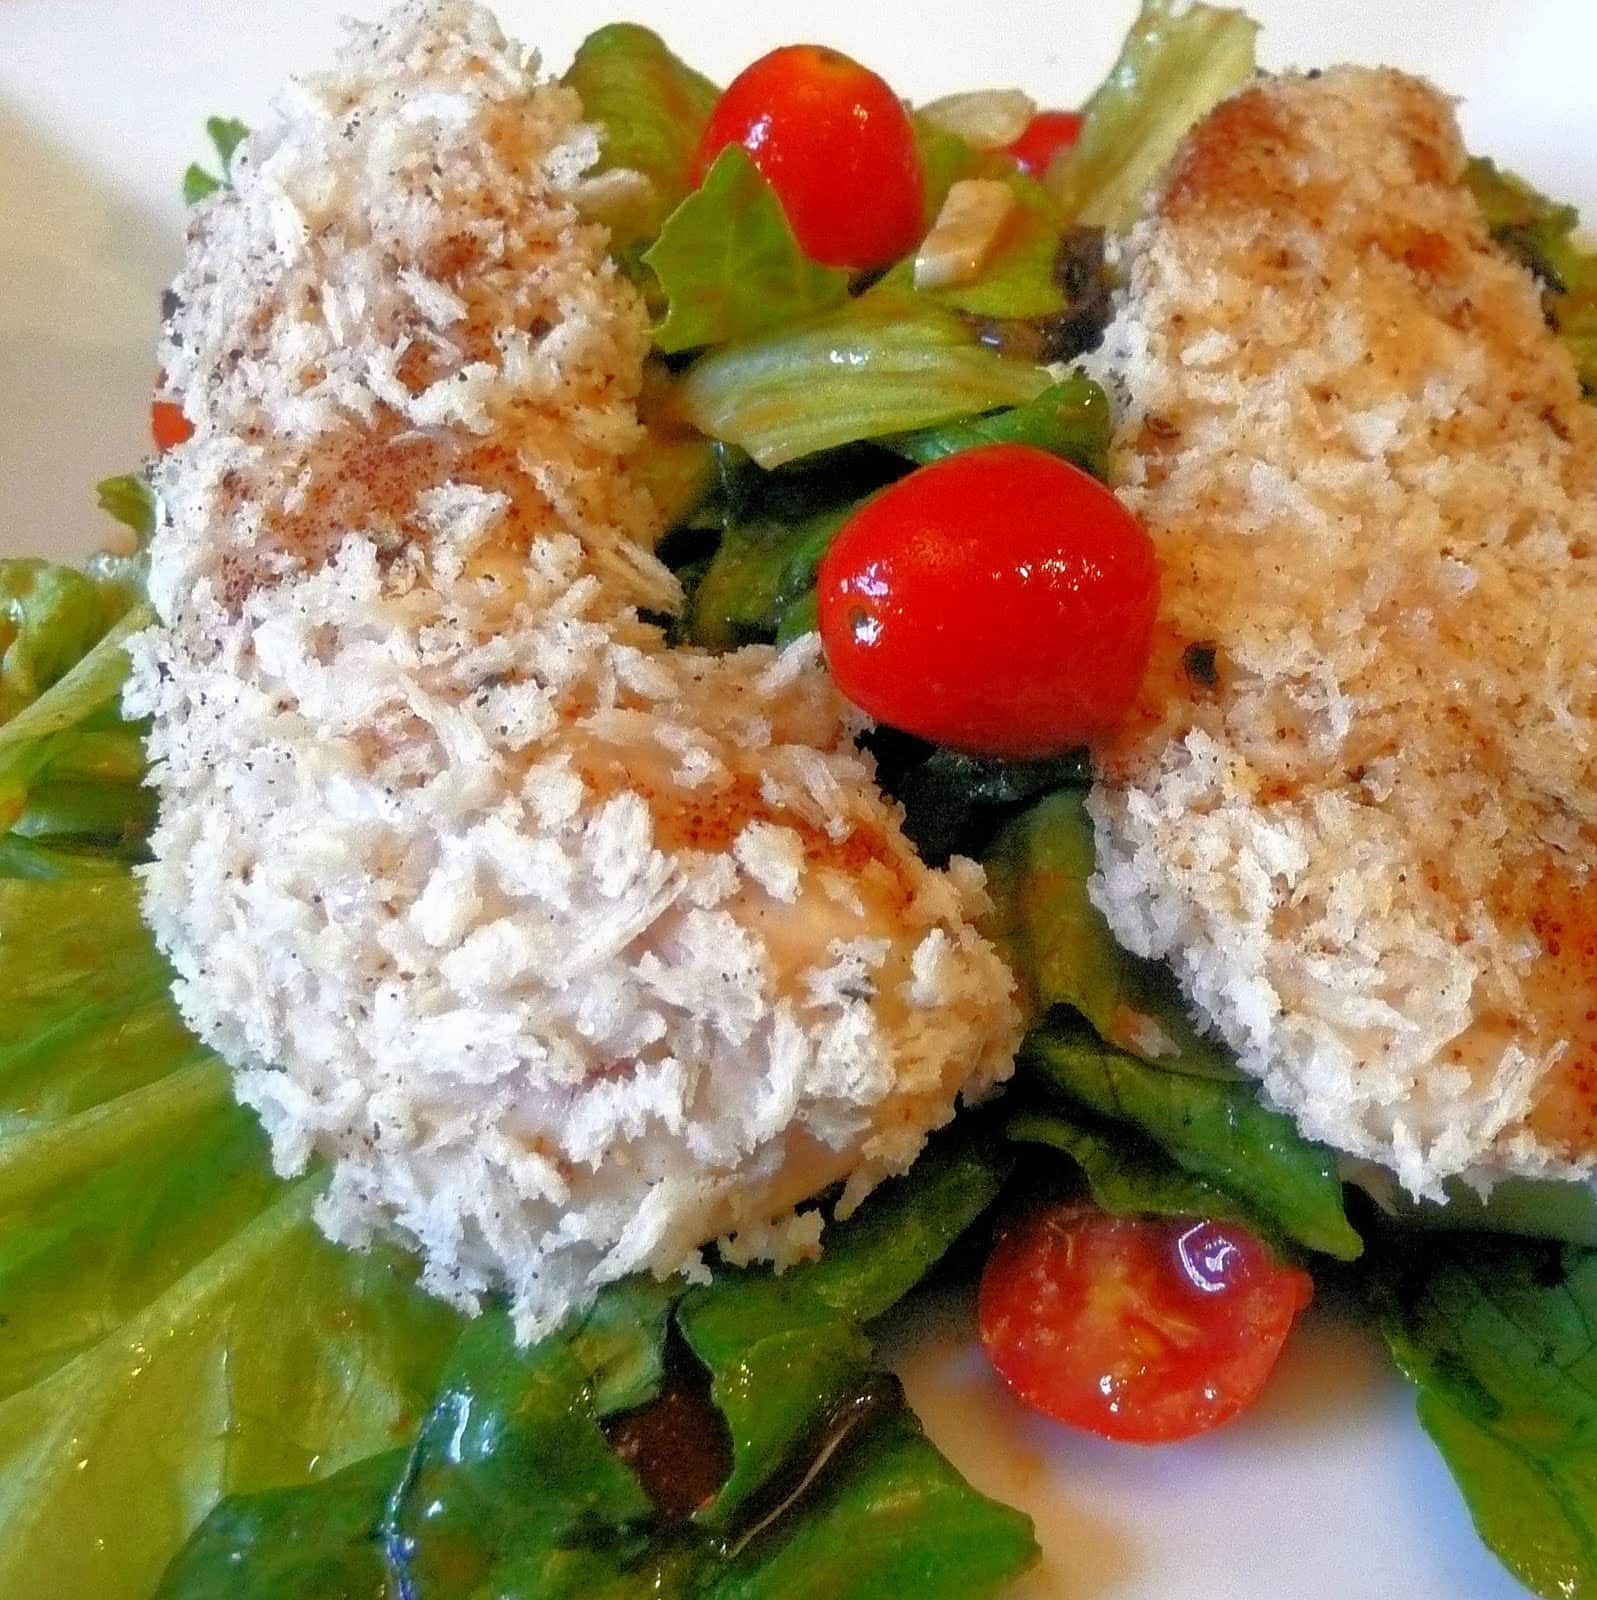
<point>1000,601</point>
<point>1137,1328</point>
<point>168,425</point>
<point>837,146</point>
<point>1044,137</point>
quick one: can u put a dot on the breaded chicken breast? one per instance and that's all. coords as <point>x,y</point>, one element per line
<point>1357,808</point>
<point>567,952</point>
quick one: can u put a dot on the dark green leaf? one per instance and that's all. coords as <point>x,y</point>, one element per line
<point>893,1520</point>
<point>1071,420</point>
<point>1541,233</point>
<point>1218,1131</point>
<point>1499,1336</point>
<point>728,264</point>
<point>758,571</point>
<point>1178,62</point>
<point>871,1261</point>
<point>956,802</point>
<point>308,1542</point>
<point>783,1363</point>
<point>1063,953</point>
<point>884,364</point>
<point>1126,1174</point>
<point>511,1462</point>
<point>651,110</point>
<point>619,1342</point>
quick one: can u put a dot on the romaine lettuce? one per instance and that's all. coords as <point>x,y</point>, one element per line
<point>1178,62</point>
<point>881,365</point>
<point>651,110</point>
<point>728,264</point>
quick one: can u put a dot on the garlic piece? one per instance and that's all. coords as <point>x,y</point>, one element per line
<point>964,234</point>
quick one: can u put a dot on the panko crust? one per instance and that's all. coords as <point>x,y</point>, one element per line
<point>567,952</point>
<point>1372,478</point>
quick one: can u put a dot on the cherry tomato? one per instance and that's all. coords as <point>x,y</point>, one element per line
<point>1045,136</point>
<point>1000,601</point>
<point>1137,1328</point>
<point>168,425</point>
<point>837,146</point>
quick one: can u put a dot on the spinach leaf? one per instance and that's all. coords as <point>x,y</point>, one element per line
<point>729,265</point>
<point>1499,1336</point>
<point>1071,420</point>
<point>1178,62</point>
<point>1061,950</point>
<point>651,110</point>
<point>758,571</point>
<point>885,363</point>
<point>955,802</point>
<point>308,1542</point>
<point>510,1463</point>
<point>904,1228</point>
<point>783,1364</point>
<point>1531,1208</point>
<point>1220,1132</point>
<point>894,1519</point>
<point>1126,1174</point>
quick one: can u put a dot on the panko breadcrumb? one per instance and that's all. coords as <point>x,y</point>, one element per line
<point>568,953</point>
<point>1358,805</point>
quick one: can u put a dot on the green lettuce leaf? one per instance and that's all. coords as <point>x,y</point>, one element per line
<point>1126,1174</point>
<point>728,264</point>
<point>1061,950</point>
<point>50,616</point>
<point>510,1462</point>
<point>760,568</point>
<point>275,1358</point>
<point>1499,1336</point>
<point>783,1365</point>
<point>1071,419</point>
<point>884,364</point>
<point>1543,235</point>
<point>306,1542</point>
<point>1178,62</point>
<point>896,1519</point>
<point>651,110</point>
<point>1219,1132</point>
<point>905,1227</point>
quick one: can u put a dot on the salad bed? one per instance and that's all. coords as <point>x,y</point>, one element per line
<point>198,1394</point>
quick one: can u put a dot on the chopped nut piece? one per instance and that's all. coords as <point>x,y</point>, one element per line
<point>988,119</point>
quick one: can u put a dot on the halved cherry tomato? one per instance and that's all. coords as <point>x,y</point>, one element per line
<point>1000,601</point>
<point>1136,1328</point>
<point>836,144</point>
<point>168,425</point>
<point>1045,136</point>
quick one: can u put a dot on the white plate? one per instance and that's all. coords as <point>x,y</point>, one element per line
<point>1326,1490</point>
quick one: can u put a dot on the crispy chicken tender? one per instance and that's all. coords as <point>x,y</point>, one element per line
<point>568,952</point>
<point>1358,805</point>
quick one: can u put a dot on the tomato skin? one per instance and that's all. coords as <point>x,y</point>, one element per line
<point>1045,136</point>
<point>168,426</point>
<point>1141,1329</point>
<point>1000,601</point>
<point>836,144</point>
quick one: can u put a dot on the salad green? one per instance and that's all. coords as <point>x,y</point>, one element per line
<point>234,1405</point>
